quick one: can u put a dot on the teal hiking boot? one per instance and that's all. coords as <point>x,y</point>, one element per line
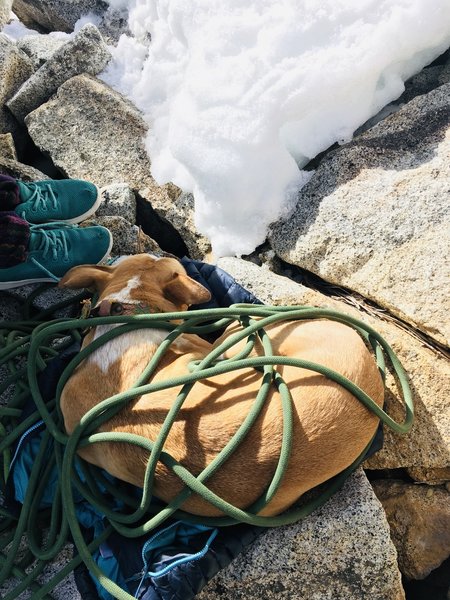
<point>54,249</point>
<point>69,200</point>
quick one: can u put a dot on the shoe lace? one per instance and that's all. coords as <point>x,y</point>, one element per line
<point>41,196</point>
<point>50,239</point>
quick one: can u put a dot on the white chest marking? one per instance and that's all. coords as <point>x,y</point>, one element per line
<point>107,354</point>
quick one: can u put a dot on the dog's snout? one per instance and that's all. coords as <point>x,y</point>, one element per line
<point>104,309</point>
<point>107,308</point>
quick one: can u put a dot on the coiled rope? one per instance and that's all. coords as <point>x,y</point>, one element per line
<point>40,342</point>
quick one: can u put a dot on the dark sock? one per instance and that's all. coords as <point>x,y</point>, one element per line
<point>9,193</point>
<point>14,239</point>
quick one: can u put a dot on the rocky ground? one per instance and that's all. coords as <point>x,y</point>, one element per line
<point>369,237</point>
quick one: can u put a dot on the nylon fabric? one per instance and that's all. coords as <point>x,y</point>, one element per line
<point>225,290</point>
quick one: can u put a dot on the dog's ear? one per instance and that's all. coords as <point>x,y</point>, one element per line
<point>185,290</point>
<point>94,277</point>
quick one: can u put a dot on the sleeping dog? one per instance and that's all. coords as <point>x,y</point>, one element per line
<point>330,430</point>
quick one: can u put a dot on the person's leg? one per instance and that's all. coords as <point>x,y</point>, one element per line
<point>32,251</point>
<point>14,239</point>
<point>9,193</point>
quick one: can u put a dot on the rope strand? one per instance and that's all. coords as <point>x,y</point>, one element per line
<point>35,344</point>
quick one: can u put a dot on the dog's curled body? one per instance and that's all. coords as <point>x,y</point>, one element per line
<point>330,428</point>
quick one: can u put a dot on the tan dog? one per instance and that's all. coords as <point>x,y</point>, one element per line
<point>331,428</point>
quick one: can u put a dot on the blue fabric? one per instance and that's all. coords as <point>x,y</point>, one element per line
<point>225,290</point>
<point>107,562</point>
<point>173,546</point>
<point>22,465</point>
<point>184,579</point>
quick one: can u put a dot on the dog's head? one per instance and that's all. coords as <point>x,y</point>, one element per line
<point>159,284</point>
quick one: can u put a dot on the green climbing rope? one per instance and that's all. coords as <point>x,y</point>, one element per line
<point>36,343</point>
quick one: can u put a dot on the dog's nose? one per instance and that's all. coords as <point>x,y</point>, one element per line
<point>104,310</point>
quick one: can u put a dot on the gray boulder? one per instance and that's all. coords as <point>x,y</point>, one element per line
<point>118,199</point>
<point>15,68</point>
<point>180,213</point>
<point>39,47</point>
<point>438,476</point>
<point>54,15</point>
<point>60,15</point>
<point>85,53</point>
<point>425,81</point>
<point>5,10</point>
<point>127,238</point>
<point>342,551</point>
<point>14,168</point>
<point>375,215</point>
<point>92,132</point>
<point>419,518</point>
<point>7,147</point>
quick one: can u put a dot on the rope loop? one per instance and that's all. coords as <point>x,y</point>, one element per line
<point>25,350</point>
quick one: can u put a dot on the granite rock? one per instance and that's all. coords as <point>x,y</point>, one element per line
<point>60,15</point>
<point>375,215</point>
<point>66,590</point>
<point>7,147</point>
<point>44,300</point>
<point>114,22</point>
<point>430,476</point>
<point>127,238</point>
<point>340,552</point>
<point>425,81</point>
<point>52,16</point>
<point>5,10</point>
<point>19,170</point>
<point>269,287</point>
<point>15,68</point>
<point>118,200</point>
<point>86,52</point>
<point>180,213</point>
<point>57,15</point>
<point>419,518</point>
<point>40,48</point>
<point>91,132</point>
